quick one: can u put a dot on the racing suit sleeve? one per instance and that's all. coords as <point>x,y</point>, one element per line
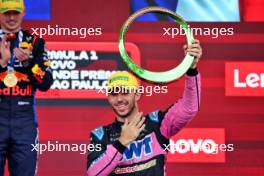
<point>38,70</point>
<point>185,109</point>
<point>104,161</point>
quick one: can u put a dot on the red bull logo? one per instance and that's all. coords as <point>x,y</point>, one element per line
<point>37,71</point>
<point>25,45</point>
<point>3,75</point>
<point>20,76</point>
<point>17,91</point>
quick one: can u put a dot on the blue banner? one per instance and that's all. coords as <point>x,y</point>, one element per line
<point>191,10</point>
<point>37,10</point>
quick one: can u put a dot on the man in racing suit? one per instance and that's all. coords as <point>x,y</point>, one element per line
<point>135,144</point>
<point>24,57</point>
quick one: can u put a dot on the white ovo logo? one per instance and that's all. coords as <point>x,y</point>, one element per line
<point>183,146</point>
<point>252,80</point>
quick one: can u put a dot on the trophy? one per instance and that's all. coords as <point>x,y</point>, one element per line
<point>156,77</point>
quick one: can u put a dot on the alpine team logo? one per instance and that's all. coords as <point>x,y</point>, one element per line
<point>244,78</point>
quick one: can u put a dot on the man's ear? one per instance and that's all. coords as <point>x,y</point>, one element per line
<point>23,13</point>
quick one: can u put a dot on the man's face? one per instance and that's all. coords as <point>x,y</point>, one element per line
<point>11,20</point>
<point>123,103</point>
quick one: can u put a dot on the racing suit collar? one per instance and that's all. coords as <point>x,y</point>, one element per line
<point>118,122</point>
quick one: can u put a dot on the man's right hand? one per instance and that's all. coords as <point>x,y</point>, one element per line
<point>131,130</point>
<point>5,51</point>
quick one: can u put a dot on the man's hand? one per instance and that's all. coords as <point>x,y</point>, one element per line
<point>194,50</point>
<point>5,51</point>
<point>131,130</point>
<point>22,54</point>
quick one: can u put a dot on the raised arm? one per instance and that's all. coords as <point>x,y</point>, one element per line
<point>186,108</point>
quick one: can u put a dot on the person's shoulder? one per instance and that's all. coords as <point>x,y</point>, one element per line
<point>154,116</point>
<point>101,131</point>
<point>98,132</point>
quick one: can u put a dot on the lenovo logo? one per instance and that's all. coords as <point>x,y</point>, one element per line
<point>198,145</point>
<point>183,146</point>
<point>244,78</point>
<point>252,80</point>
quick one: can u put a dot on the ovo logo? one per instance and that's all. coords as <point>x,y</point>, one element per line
<point>198,145</point>
<point>182,146</point>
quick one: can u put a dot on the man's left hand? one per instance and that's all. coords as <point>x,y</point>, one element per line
<point>22,54</point>
<point>195,50</point>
